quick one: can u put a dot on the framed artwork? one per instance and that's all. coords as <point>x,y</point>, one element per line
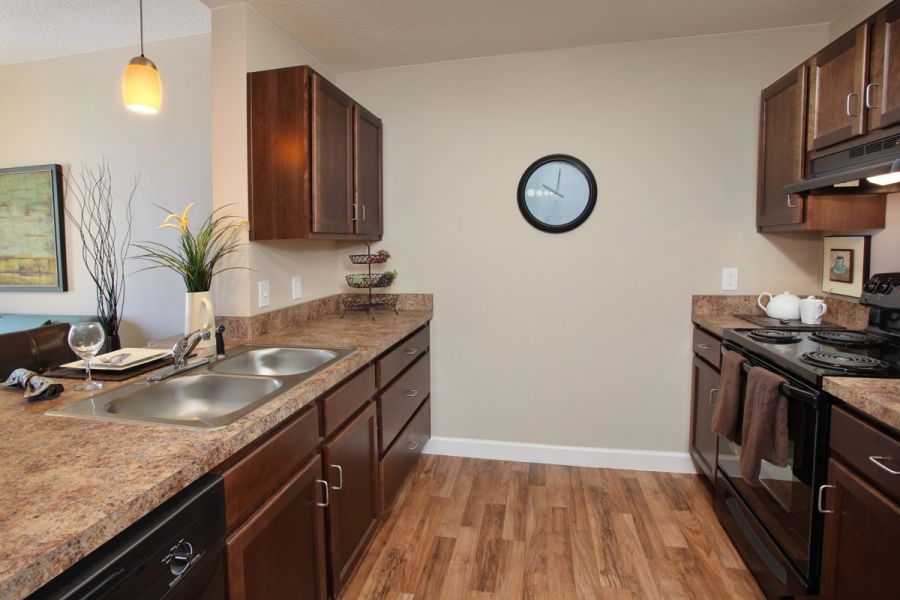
<point>32,236</point>
<point>845,264</point>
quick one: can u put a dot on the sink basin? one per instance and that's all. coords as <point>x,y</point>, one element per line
<point>278,362</point>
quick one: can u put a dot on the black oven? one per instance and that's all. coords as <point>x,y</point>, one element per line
<point>773,521</point>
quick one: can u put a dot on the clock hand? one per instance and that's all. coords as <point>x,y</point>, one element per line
<point>558,178</point>
<point>552,190</point>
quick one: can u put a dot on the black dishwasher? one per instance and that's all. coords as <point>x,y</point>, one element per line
<point>174,552</point>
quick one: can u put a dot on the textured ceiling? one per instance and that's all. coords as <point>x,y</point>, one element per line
<point>38,29</point>
<point>355,35</point>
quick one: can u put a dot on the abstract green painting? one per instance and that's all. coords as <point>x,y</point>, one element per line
<point>32,242</point>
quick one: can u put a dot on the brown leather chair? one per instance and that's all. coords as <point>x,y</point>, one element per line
<point>36,349</point>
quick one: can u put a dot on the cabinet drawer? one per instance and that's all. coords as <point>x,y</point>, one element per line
<point>255,478</point>
<point>862,446</point>
<point>392,364</point>
<point>708,347</point>
<point>401,458</point>
<point>401,399</point>
<point>340,405</point>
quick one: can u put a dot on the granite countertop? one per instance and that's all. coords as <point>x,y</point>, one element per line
<point>717,324</point>
<point>68,485</point>
<point>878,398</point>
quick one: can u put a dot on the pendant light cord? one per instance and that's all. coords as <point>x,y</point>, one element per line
<point>141,9</point>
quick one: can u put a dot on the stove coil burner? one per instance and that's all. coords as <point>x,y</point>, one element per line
<point>846,338</point>
<point>844,361</point>
<point>774,336</point>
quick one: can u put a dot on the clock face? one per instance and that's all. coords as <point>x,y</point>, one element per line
<point>557,193</point>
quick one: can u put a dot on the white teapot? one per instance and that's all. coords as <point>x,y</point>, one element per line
<point>782,306</point>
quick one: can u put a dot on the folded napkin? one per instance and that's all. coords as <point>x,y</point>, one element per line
<point>35,386</point>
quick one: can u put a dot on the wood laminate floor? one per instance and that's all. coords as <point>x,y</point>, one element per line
<point>481,529</point>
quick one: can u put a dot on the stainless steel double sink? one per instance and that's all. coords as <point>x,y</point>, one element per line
<point>213,395</point>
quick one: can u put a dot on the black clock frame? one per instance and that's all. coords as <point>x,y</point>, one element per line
<point>577,221</point>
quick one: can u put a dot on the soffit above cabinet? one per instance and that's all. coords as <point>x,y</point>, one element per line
<point>357,35</point>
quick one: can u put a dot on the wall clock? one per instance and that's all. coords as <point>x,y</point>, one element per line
<point>557,193</point>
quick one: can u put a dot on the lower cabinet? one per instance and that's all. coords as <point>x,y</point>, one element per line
<point>703,440</point>
<point>351,459</point>
<point>401,458</point>
<point>279,552</point>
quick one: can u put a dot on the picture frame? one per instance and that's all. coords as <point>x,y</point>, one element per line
<point>32,230</point>
<point>845,264</point>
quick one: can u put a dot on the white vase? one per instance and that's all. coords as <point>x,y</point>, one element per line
<point>198,314</point>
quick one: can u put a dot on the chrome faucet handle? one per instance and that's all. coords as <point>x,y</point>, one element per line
<point>183,347</point>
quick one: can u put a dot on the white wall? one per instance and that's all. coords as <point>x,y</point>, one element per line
<point>69,111</point>
<point>243,41</point>
<point>853,16</point>
<point>581,338</point>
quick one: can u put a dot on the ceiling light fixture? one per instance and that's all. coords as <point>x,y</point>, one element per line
<point>893,176</point>
<point>141,86</point>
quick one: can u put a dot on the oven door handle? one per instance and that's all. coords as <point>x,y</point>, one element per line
<point>787,389</point>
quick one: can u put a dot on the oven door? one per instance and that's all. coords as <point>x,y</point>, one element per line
<point>780,505</point>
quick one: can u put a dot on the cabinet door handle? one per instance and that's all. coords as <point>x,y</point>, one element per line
<point>363,207</point>
<point>789,203</point>
<point>703,346</point>
<point>414,445</point>
<point>355,216</point>
<point>877,460</point>
<point>412,351</point>
<point>820,501</point>
<point>412,393</point>
<point>340,484</point>
<point>327,497</point>
<point>712,392</point>
<point>869,95</point>
<point>849,100</point>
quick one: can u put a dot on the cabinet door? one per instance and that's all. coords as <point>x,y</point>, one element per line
<point>838,100</point>
<point>367,163</point>
<point>351,463</point>
<point>332,158</point>
<point>882,95</point>
<point>782,149</point>
<point>704,442</point>
<point>862,539</point>
<point>280,551</point>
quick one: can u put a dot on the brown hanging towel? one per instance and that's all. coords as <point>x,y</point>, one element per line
<point>764,432</point>
<point>725,419</point>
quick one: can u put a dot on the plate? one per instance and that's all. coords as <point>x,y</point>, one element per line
<point>136,357</point>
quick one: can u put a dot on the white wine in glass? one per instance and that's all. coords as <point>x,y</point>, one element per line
<point>85,340</point>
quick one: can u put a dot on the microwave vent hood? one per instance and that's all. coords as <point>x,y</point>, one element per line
<point>865,160</point>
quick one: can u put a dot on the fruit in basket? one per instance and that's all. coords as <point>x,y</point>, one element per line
<point>387,278</point>
<point>384,254</point>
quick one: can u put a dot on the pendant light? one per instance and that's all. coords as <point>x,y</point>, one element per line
<point>141,86</point>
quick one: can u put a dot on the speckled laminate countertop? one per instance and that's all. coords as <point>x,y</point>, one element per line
<point>68,485</point>
<point>878,398</point>
<point>717,324</point>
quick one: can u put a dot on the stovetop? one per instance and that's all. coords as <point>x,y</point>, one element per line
<point>812,355</point>
<point>795,324</point>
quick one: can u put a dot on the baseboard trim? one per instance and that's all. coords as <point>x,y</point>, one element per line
<point>574,456</point>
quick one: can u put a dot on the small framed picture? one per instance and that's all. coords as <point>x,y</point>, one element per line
<point>845,264</point>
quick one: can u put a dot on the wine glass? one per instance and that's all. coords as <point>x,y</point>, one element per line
<point>85,340</point>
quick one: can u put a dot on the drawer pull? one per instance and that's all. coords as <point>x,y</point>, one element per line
<point>790,204</point>
<point>340,484</point>
<point>412,393</point>
<point>703,346</point>
<point>877,460</point>
<point>850,112</point>
<point>821,499</point>
<point>414,445</point>
<point>713,392</point>
<point>327,497</point>
<point>412,351</point>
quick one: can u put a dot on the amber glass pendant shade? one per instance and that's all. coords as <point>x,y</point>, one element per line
<point>141,86</point>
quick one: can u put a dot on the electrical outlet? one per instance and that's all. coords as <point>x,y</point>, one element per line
<point>730,278</point>
<point>297,286</point>
<point>263,293</point>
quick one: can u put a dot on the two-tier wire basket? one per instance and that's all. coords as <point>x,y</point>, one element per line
<point>370,302</point>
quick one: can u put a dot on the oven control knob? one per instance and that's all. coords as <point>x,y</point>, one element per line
<point>885,287</point>
<point>871,285</point>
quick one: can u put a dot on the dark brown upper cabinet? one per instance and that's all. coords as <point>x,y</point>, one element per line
<point>882,93</point>
<point>782,148</point>
<point>314,159</point>
<point>839,73</point>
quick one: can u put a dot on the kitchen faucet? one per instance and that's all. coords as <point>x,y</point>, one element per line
<point>183,347</point>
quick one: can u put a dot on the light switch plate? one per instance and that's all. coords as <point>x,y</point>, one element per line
<point>263,293</point>
<point>297,286</point>
<point>729,278</point>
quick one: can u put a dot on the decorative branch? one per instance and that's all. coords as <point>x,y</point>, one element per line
<point>89,207</point>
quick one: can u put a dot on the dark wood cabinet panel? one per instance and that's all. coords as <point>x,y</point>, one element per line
<point>704,443</point>
<point>341,404</point>
<point>882,94</point>
<point>782,148</point>
<point>401,356</point>
<point>332,158</point>
<point>402,457</point>
<point>351,463</point>
<point>398,403</point>
<point>708,347</point>
<point>279,553</point>
<point>839,72</point>
<point>861,541</point>
<point>368,176</point>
